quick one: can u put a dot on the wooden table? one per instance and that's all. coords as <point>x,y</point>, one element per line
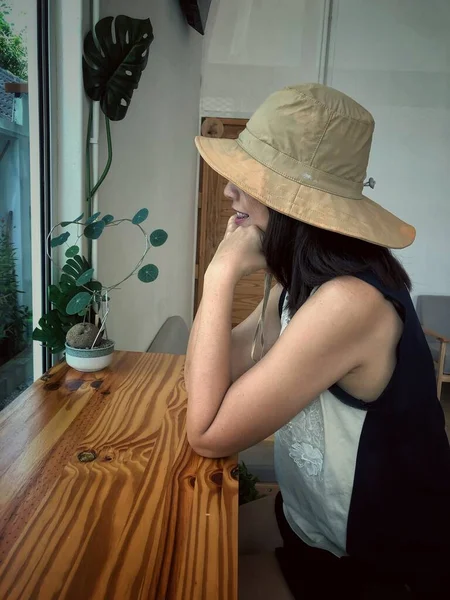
<point>147,518</point>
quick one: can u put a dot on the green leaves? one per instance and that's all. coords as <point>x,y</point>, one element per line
<point>92,218</point>
<point>51,332</point>
<point>85,277</point>
<point>72,251</point>
<point>95,286</point>
<point>13,47</point>
<point>70,270</point>
<point>158,237</point>
<point>72,304</point>
<point>60,239</point>
<point>247,485</point>
<point>54,325</point>
<point>140,216</point>
<point>148,273</point>
<point>112,66</point>
<point>79,303</point>
<point>94,230</point>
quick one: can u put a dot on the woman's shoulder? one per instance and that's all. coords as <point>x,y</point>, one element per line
<point>352,290</point>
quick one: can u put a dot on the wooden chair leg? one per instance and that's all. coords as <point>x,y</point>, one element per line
<point>440,368</point>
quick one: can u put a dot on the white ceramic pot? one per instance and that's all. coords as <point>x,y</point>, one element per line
<point>89,360</point>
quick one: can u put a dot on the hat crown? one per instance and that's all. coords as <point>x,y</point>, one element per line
<point>318,128</point>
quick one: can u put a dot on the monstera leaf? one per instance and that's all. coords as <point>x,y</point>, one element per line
<point>113,62</point>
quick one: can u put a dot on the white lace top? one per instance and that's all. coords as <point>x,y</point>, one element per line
<point>315,458</point>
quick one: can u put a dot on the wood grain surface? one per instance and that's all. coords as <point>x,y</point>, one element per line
<point>147,519</point>
<point>213,218</point>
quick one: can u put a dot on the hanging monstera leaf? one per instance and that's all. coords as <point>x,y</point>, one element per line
<point>113,62</point>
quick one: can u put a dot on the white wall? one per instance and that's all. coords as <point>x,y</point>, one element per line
<point>255,47</point>
<point>394,58</point>
<point>154,166</point>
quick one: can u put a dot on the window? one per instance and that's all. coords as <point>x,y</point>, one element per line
<point>20,249</point>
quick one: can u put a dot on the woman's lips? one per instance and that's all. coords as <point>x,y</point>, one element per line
<point>240,217</point>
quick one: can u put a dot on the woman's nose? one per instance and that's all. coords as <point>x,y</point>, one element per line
<point>230,191</point>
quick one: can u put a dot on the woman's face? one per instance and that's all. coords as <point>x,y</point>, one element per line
<point>249,211</point>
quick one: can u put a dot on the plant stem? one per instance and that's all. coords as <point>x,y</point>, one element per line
<point>108,163</point>
<point>87,181</point>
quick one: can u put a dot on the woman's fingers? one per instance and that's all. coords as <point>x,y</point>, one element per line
<point>231,226</point>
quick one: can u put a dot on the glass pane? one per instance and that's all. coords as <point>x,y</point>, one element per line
<point>16,353</point>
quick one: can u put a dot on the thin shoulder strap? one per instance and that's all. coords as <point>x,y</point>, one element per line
<point>259,333</point>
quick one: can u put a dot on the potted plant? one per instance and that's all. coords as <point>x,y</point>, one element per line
<point>115,55</point>
<point>77,321</point>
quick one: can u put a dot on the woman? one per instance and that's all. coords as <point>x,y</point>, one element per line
<point>344,375</point>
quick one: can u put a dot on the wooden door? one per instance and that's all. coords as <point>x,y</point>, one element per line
<point>214,212</point>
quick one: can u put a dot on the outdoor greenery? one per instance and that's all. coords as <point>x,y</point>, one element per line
<point>13,316</point>
<point>13,51</point>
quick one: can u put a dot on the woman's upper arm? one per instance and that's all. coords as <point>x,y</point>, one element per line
<point>324,341</point>
<point>243,334</point>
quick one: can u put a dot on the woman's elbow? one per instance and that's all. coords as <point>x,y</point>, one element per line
<point>206,449</point>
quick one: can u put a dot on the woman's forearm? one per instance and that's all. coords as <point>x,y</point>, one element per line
<point>191,344</point>
<point>210,354</point>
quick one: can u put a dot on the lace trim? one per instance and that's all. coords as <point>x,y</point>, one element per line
<point>304,434</point>
<point>305,439</point>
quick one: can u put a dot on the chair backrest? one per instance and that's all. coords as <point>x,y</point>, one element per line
<point>172,338</point>
<point>434,313</point>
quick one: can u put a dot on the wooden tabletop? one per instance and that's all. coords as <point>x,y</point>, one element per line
<point>146,519</point>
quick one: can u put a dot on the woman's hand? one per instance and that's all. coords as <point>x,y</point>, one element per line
<point>240,252</point>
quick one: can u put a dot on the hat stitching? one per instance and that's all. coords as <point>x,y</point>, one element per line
<point>368,123</point>
<point>269,195</point>
<point>321,138</point>
<point>314,187</point>
<point>340,179</point>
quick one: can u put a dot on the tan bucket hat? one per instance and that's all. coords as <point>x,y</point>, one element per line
<point>304,153</point>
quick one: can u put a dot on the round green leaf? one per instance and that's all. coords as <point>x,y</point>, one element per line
<point>108,219</point>
<point>85,277</point>
<point>95,286</point>
<point>60,239</point>
<point>78,303</point>
<point>92,218</point>
<point>158,237</point>
<point>140,216</point>
<point>72,251</point>
<point>148,273</point>
<point>94,230</point>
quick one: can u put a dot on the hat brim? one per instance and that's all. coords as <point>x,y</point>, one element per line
<point>362,219</point>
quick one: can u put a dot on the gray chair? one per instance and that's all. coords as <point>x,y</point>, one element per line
<point>172,338</point>
<point>434,315</point>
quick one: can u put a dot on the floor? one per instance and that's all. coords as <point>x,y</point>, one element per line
<point>445,401</point>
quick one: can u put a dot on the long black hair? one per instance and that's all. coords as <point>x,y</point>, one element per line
<point>302,257</point>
